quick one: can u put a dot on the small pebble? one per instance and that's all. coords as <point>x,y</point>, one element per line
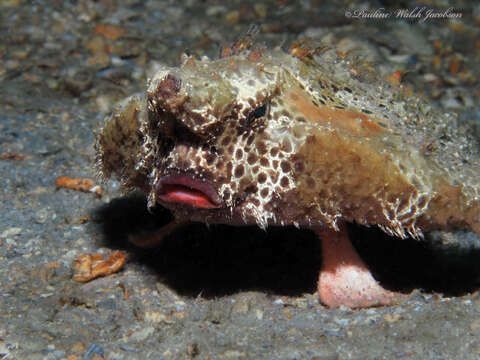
<point>41,216</point>
<point>93,350</point>
<point>11,232</point>
<point>142,334</point>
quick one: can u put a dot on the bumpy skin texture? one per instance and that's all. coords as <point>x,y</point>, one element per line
<point>305,137</point>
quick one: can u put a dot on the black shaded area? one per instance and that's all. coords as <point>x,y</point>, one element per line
<point>429,264</point>
<point>128,216</point>
<point>219,260</point>
<point>215,260</point>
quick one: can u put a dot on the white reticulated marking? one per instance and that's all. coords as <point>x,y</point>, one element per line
<point>402,219</point>
<point>154,177</point>
<point>149,148</point>
<point>329,218</point>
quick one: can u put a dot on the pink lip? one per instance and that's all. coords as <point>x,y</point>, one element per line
<point>185,189</point>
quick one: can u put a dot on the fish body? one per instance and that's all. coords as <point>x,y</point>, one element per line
<point>305,137</point>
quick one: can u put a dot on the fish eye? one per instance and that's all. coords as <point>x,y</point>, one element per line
<point>256,117</point>
<point>259,111</point>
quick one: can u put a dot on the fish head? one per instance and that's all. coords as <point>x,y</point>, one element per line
<point>223,141</point>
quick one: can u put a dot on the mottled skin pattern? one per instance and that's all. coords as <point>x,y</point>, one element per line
<point>307,137</point>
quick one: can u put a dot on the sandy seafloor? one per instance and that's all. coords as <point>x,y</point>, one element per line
<point>217,293</point>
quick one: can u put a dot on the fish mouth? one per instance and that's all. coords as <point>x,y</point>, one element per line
<point>186,189</point>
